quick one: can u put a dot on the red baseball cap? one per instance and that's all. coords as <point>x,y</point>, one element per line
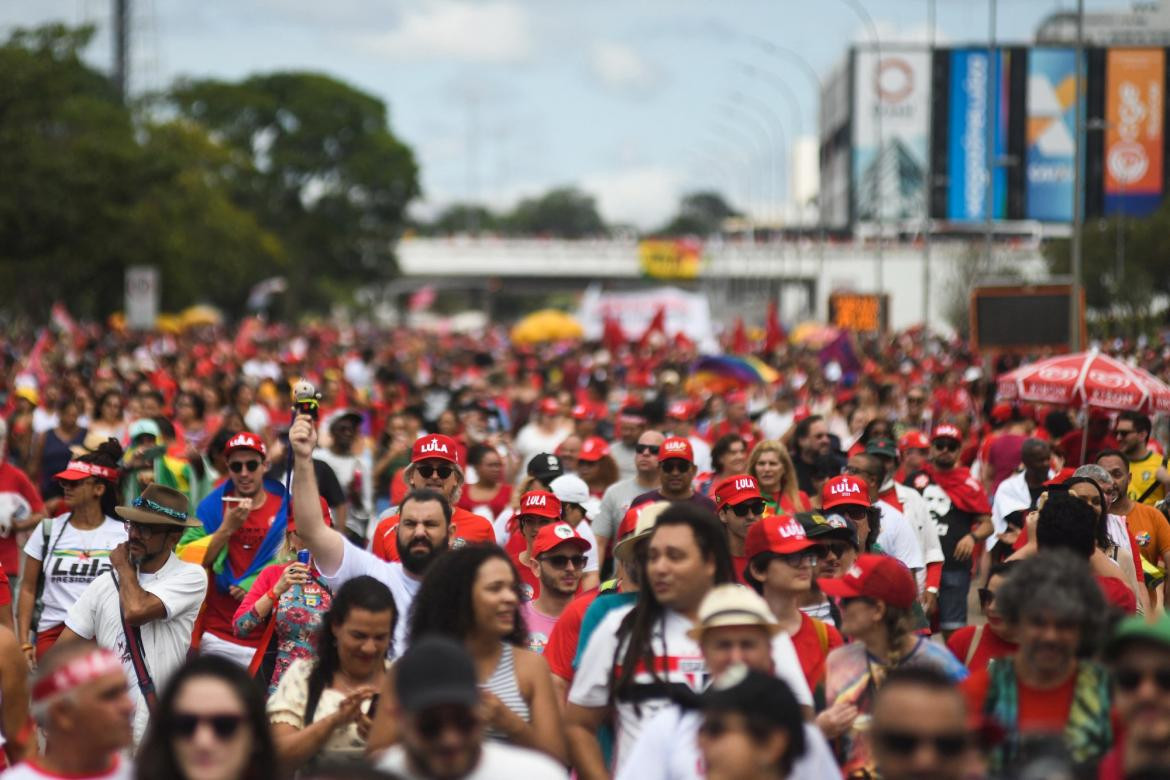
<point>946,431</point>
<point>435,446</point>
<point>676,447</point>
<point>680,410</point>
<point>629,521</point>
<point>877,577</point>
<point>540,503</point>
<point>245,440</point>
<point>913,440</point>
<point>550,406</point>
<point>1001,412</point>
<point>586,411</point>
<point>593,449</point>
<point>555,534</point>
<point>775,533</point>
<point>845,490</point>
<point>736,489</point>
<point>736,397</point>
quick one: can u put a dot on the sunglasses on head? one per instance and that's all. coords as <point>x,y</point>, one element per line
<point>904,743</point>
<point>433,723</point>
<point>426,471</point>
<point>1130,680</point>
<point>945,445</point>
<point>643,449</point>
<point>674,466</point>
<point>238,466</point>
<point>746,507</point>
<point>563,561</point>
<point>223,726</point>
<point>838,549</point>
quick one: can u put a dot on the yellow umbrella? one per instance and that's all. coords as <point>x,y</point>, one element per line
<point>546,325</point>
<point>200,315</point>
<point>168,323</point>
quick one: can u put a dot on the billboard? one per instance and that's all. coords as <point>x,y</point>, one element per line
<point>974,78</point>
<point>891,111</point>
<point>1050,154</point>
<point>1134,105</point>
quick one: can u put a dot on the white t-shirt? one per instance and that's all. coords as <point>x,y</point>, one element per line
<point>684,664</point>
<point>531,441</point>
<point>898,539</point>
<point>668,749</point>
<point>498,761</point>
<point>97,615</point>
<point>356,562</point>
<point>76,558</point>
<point>702,451</point>
<point>121,770</point>
<point>774,424</point>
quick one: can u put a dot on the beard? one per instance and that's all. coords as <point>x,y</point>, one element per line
<point>417,561</point>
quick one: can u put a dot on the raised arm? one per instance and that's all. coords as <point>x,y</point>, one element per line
<point>327,545</point>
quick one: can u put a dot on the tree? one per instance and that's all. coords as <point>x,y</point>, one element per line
<point>325,173</point>
<point>560,213</point>
<point>463,218</point>
<point>699,214</point>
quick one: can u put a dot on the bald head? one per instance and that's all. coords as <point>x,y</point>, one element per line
<point>646,462</point>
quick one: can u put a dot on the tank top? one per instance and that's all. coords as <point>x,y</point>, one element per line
<point>503,684</point>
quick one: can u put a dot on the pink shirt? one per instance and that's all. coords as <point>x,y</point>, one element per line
<point>539,625</point>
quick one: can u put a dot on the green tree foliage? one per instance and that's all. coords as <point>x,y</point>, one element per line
<point>565,212</point>
<point>464,218</point>
<point>699,214</point>
<point>325,173</point>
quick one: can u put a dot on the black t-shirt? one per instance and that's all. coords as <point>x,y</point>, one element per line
<point>696,498</point>
<point>951,522</point>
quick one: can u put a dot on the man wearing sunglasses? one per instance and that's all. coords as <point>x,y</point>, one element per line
<point>619,495</point>
<point>538,509</point>
<point>920,726</point>
<point>740,506</point>
<point>558,562</point>
<point>676,468</point>
<point>1138,655</point>
<point>1149,476</point>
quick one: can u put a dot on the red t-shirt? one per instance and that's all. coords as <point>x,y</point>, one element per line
<point>991,645</point>
<point>1118,594</point>
<point>811,652</point>
<point>13,480</point>
<point>739,564</point>
<point>562,642</point>
<point>470,528</point>
<point>529,583</point>
<point>496,505</point>
<point>1040,711</point>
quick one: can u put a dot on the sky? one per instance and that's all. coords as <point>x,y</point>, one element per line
<point>634,101</point>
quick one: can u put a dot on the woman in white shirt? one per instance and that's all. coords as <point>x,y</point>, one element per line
<point>70,551</point>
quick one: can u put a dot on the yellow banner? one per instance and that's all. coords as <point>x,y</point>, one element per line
<point>669,259</point>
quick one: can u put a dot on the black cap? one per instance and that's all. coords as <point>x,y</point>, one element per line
<point>829,525</point>
<point>545,467</point>
<point>759,697</point>
<point>433,672</point>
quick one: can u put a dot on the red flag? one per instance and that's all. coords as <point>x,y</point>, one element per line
<point>774,331</point>
<point>35,363</point>
<point>739,339</point>
<point>657,325</point>
<point>612,336</point>
<point>245,336</point>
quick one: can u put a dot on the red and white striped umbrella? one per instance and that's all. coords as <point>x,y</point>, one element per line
<point>1086,379</point>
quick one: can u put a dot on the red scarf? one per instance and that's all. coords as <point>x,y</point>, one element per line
<point>965,493</point>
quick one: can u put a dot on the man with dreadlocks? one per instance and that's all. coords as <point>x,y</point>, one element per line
<point>640,654</point>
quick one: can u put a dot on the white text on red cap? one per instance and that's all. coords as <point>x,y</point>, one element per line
<point>434,445</point>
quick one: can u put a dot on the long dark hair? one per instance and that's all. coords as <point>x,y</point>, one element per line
<point>637,627</point>
<point>720,448</point>
<point>359,593</point>
<point>157,757</point>
<point>443,604</point>
<point>1101,526</point>
<point>108,454</point>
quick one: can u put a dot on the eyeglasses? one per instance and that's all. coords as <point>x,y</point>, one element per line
<point>945,445</point>
<point>986,596</point>
<point>854,513</point>
<point>748,507</point>
<point>238,466</point>
<point>798,559</point>
<point>224,726</point>
<point>838,549</point>
<point>431,724</point>
<point>426,471</point>
<point>1123,431</point>
<point>145,530</point>
<point>643,449</point>
<point>564,561</point>
<point>914,399</point>
<point>1129,680</point>
<point>904,743</point>
<point>674,466</point>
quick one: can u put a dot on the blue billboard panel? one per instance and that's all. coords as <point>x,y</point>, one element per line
<point>1050,154</point>
<point>975,83</point>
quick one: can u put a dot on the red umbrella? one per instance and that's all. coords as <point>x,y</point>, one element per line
<point>1086,379</point>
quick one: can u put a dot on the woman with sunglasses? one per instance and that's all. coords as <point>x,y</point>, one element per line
<point>772,467</point>
<point>976,646</point>
<point>876,597</point>
<point>209,725</point>
<point>323,707</point>
<point>471,595</point>
<point>64,554</point>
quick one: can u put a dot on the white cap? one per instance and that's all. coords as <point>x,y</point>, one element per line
<point>570,489</point>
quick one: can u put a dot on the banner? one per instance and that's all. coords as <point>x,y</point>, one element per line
<point>1134,105</point>
<point>859,312</point>
<point>670,259</point>
<point>891,94</point>
<point>683,312</point>
<point>967,135</point>
<point>1051,147</point>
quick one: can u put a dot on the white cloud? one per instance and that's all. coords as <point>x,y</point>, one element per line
<point>487,32</point>
<point>645,197</point>
<point>621,68</point>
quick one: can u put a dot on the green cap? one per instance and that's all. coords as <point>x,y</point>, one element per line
<point>1137,628</point>
<point>882,446</point>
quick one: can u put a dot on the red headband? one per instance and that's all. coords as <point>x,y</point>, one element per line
<point>92,469</point>
<point>79,671</point>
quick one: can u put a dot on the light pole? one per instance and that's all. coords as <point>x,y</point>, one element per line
<point>1078,217</point>
<point>930,24</point>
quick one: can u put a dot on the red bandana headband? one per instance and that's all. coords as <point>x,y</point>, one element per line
<point>93,469</point>
<point>79,671</point>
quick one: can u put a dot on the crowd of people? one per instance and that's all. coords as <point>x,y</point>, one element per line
<point>457,557</point>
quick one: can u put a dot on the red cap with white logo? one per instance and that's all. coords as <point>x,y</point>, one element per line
<point>877,577</point>
<point>556,534</point>
<point>550,406</point>
<point>436,446</point>
<point>680,410</point>
<point>946,431</point>
<point>593,449</point>
<point>676,447</point>
<point>736,489</point>
<point>844,490</point>
<point>913,440</point>
<point>776,533</point>
<point>540,503</point>
<point>245,440</point>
